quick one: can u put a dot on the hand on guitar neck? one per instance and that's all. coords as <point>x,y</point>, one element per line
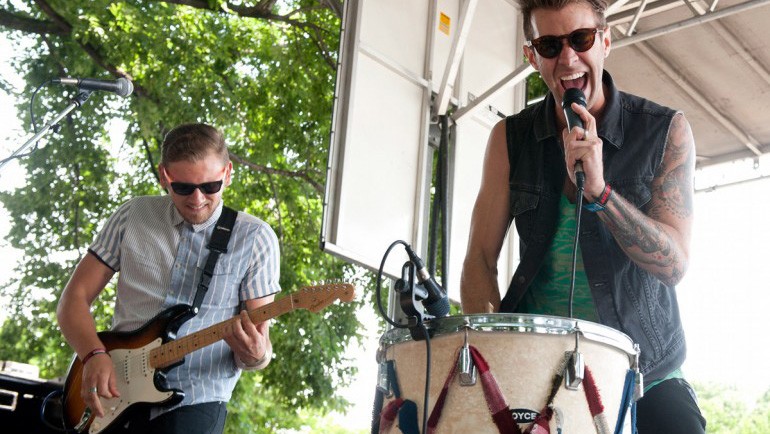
<point>250,342</point>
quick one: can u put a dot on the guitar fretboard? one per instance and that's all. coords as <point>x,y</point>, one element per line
<point>174,351</point>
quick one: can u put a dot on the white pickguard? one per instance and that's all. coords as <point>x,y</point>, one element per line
<point>134,381</point>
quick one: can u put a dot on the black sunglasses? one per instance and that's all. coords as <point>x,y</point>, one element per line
<point>186,189</point>
<point>550,46</point>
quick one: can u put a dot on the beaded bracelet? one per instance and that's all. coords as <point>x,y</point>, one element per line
<point>94,352</point>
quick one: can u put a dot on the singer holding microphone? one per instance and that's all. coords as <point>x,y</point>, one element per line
<point>638,160</point>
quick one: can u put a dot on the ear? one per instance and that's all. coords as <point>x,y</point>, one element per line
<point>606,41</point>
<point>228,173</point>
<point>162,176</point>
<point>531,57</point>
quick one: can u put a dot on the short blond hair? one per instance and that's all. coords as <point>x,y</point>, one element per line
<point>193,142</point>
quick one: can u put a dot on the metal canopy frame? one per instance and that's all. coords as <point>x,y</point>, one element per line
<point>625,18</point>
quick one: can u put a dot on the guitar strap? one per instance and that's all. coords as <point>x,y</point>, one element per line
<point>220,238</point>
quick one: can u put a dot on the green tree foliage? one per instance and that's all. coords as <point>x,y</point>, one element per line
<point>536,87</point>
<point>727,412</point>
<point>263,72</point>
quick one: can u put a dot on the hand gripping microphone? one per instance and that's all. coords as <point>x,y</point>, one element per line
<point>121,86</point>
<point>575,95</point>
<point>437,303</point>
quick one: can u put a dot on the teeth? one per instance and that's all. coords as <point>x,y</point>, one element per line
<point>573,76</point>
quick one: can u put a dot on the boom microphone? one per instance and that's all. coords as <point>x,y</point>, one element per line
<point>121,86</point>
<point>437,303</point>
<point>575,95</point>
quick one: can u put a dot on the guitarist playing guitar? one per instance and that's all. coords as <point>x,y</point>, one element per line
<point>158,245</point>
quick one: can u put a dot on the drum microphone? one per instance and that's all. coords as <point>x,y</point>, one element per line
<point>575,95</point>
<point>121,86</point>
<point>437,303</point>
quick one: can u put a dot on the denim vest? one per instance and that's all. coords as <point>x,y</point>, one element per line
<point>627,297</point>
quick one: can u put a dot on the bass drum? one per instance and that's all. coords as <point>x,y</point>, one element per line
<point>524,354</point>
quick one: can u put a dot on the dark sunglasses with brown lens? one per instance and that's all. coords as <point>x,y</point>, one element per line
<point>550,46</point>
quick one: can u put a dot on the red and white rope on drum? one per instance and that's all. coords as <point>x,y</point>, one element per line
<point>498,408</point>
<point>501,416</point>
<point>595,403</point>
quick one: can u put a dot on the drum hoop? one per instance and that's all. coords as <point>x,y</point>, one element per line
<point>520,323</point>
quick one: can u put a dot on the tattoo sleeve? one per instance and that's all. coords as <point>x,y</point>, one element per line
<point>657,237</point>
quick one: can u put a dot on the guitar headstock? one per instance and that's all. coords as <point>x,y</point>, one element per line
<point>316,297</point>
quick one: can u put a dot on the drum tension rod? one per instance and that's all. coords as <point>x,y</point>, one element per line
<point>639,377</point>
<point>466,367</point>
<point>576,365</point>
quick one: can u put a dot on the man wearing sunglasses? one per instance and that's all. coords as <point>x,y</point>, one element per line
<point>158,244</point>
<point>638,158</point>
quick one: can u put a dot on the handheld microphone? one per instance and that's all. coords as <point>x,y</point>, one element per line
<point>575,95</point>
<point>437,303</point>
<point>121,86</point>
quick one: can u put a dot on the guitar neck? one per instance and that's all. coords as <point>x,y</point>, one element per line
<point>174,351</point>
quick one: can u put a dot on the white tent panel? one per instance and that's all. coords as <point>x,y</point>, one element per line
<point>394,56</point>
<point>397,30</point>
<point>373,216</point>
<point>493,51</point>
<point>376,184</point>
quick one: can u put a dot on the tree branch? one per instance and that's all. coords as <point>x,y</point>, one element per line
<point>335,6</point>
<point>29,25</point>
<point>89,49</point>
<point>318,187</point>
<point>263,10</point>
<point>58,20</point>
<point>323,49</point>
<point>148,154</point>
<point>277,207</point>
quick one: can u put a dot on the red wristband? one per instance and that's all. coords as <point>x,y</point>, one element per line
<point>94,352</point>
<point>605,196</point>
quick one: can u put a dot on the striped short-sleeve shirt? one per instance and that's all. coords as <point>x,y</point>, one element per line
<point>159,258</point>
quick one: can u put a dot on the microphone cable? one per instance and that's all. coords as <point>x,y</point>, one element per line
<point>580,181</point>
<point>378,292</point>
<point>34,124</point>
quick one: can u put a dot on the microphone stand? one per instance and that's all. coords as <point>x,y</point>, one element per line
<point>78,101</point>
<point>410,296</point>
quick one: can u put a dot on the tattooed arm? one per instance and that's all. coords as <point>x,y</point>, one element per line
<point>658,240</point>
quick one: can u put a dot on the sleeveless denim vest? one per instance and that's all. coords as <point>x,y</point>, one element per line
<point>627,298</point>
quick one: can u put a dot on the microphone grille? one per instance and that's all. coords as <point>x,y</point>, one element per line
<point>125,87</point>
<point>571,95</point>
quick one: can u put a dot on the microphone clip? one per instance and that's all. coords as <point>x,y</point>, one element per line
<point>81,97</point>
<point>411,296</point>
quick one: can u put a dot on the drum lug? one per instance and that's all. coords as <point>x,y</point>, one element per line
<point>382,354</point>
<point>575,371</point>
<point>575,365</point>
<point>466,367</point>
<point>383,379</point>
<point>639,380</point>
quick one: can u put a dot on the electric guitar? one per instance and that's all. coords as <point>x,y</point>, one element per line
<point>144,356</point>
